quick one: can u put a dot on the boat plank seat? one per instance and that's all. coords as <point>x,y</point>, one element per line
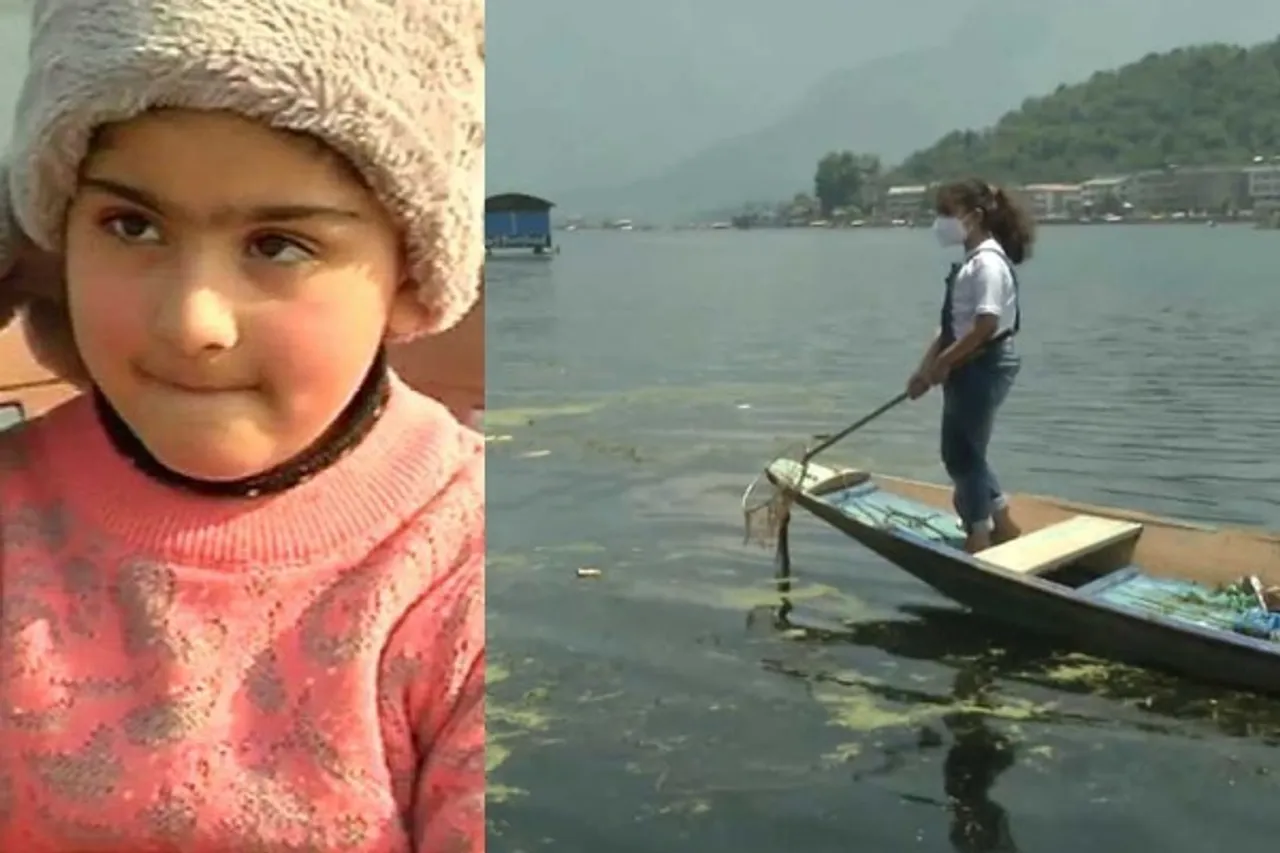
<point>1059,544</point>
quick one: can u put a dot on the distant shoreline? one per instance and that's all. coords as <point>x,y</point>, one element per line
<point>1202,222</point>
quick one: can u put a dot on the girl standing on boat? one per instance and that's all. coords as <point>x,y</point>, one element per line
<point>972,356</point>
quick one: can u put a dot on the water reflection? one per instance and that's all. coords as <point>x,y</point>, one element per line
<point>977,757</point>
<point>986,654</point>
<point>975,711</point>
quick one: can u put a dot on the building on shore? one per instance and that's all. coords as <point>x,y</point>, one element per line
<point>1100,194</point>
<point>1050,202</point>
<point>1262,181</point>
<point>517,221</point>
<point>905,203</point>
<point>1189,189</point>
<point>1170,190</point>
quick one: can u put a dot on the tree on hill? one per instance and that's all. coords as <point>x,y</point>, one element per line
<point>845,180</point>
<point>1193,106</point>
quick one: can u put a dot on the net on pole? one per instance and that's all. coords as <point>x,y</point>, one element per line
<point>766,504</point>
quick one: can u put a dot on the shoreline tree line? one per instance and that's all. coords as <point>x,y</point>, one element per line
<point>1202,105</point>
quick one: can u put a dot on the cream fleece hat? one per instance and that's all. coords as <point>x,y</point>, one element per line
<point>396,86</point>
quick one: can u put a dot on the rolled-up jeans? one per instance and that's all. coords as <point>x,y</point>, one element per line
<point>971,396</point>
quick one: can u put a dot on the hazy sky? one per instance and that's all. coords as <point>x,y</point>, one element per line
<point>584,90</point>
<point>590,92</point>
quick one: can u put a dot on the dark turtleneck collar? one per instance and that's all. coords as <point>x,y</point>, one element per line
<point>352,425</point>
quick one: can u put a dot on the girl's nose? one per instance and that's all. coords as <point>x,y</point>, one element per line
<point>195,316</point>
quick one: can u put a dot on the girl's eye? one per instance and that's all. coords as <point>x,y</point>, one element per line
<point>279,249</point>
<point>132,228</point>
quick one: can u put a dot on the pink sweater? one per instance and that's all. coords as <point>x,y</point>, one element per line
<point>299,673</point>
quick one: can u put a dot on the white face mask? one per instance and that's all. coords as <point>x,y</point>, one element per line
<point>949,231</point>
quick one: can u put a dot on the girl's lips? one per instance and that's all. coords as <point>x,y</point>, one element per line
<point>195,386</point>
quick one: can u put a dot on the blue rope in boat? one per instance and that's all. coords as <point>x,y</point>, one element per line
<point>889,518</point>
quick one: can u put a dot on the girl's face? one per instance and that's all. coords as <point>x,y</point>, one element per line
<point>955,224</point>
<point>229,286</point>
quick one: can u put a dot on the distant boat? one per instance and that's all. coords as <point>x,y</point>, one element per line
<point>1182,597</point>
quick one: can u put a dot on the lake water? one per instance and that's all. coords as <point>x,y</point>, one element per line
<point>639,381</point>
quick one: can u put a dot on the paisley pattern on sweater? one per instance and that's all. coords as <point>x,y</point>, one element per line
<point>288,696</point>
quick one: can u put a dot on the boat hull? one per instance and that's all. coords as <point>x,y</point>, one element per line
<point>1074,616</point>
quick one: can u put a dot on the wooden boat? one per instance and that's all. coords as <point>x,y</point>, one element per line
<point>1120,584</point>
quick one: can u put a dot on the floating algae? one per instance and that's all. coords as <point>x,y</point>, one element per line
<point>756,596</point>
<point>746,598</point>
<point>1237,714</point>
<point>857,704</point>
<point>505,561</point>
<point>571,548</point>
<point>856,707</point>
<point>506,723</point>
<point>542,556</point>
<point>1089,672</point>
<point>690,807</point>
<point>508,418</point>
<point>662,396</point>
<point>843,754</point>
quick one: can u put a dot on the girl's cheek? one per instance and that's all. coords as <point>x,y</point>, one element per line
<point>109,315</point>
<point>293,351</point>
<point>320,353</point>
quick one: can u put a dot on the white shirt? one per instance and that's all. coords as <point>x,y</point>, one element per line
<point>984,285</point>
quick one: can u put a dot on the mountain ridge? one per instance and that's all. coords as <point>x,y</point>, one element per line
<point>896,105</point>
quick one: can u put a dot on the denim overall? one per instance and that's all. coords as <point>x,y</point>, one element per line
<point>971,395</point>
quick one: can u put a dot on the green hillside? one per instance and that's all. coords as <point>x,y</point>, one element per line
<point>1212,104</point>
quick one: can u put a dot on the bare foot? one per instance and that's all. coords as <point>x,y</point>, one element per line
<point>1002,535</point>
<point>978,540</point>
<point>1006,528</point>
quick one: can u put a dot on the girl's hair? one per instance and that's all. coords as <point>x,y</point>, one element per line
<point>38,285</point>
<point>1002,217</point>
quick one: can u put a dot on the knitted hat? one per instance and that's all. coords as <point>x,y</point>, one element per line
<point>396,86</point>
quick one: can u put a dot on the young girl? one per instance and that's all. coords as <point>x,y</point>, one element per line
<point>241,576</point>
<point>972,355</point>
